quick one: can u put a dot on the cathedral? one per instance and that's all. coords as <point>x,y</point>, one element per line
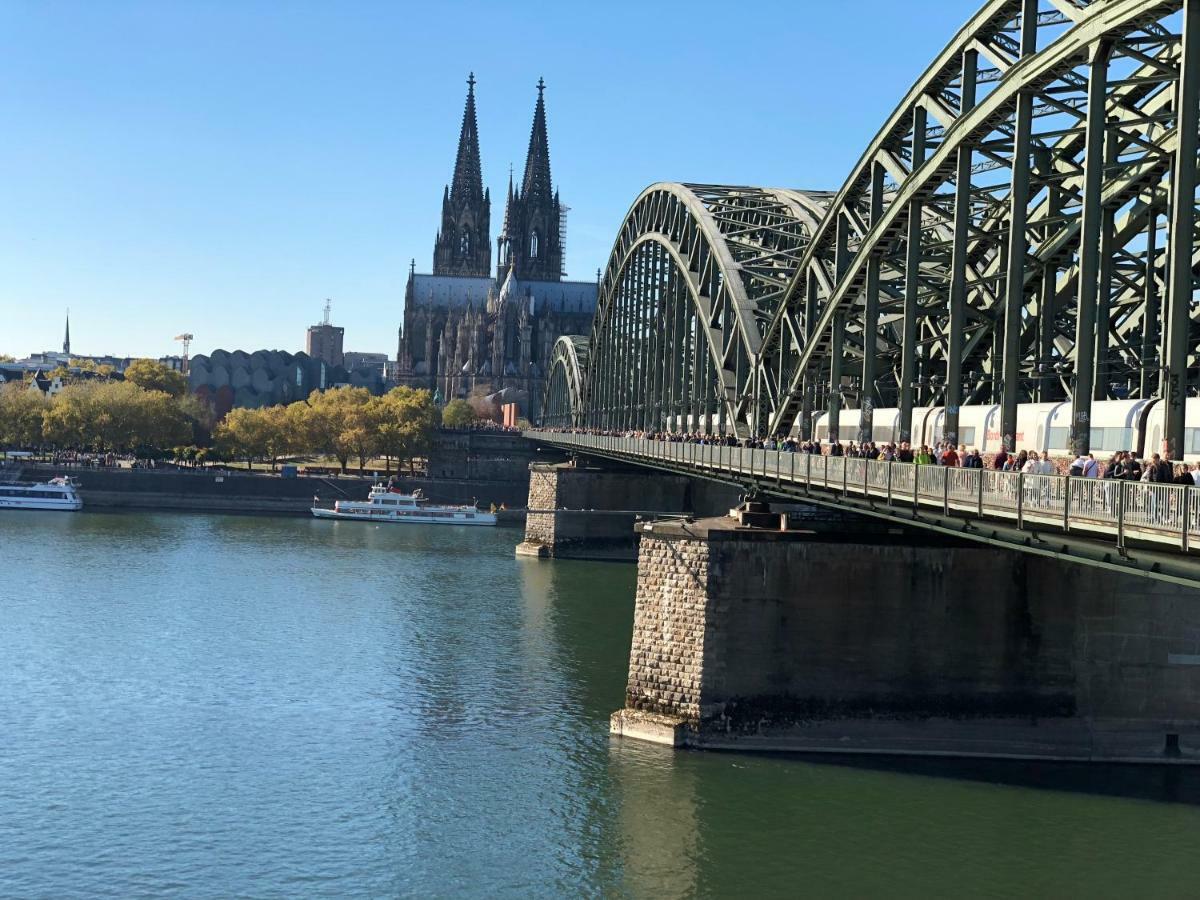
<point>467,328</point>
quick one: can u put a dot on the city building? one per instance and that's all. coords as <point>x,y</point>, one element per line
<point>229,379</point>
<point>467,327</point>
<point>375,361</point>
<point>324,341</point>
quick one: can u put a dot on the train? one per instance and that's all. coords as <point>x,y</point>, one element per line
<point>1134,425</point>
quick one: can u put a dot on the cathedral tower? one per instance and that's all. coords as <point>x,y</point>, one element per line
<point>463,245</point>
<point>531,240</point>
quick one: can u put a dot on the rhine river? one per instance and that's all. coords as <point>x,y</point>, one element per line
<point>214,706</point>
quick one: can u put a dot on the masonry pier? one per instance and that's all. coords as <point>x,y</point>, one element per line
<point>823,640</point>
<point>587,511</point>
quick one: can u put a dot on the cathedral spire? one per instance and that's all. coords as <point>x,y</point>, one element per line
<point>468,178</point>
<point>463,244</point>
<point>537,162</point>
<point>67,336</point>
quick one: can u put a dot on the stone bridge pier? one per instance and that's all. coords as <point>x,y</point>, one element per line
<point>826,641</point>
<point>587,511</point>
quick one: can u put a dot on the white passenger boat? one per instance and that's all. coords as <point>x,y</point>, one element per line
<point>385,505</point>
<point>55,494</point>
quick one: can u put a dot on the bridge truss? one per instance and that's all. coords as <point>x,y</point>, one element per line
<point>1022,228</point>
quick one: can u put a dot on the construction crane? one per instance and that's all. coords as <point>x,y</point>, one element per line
<point>186,340</point>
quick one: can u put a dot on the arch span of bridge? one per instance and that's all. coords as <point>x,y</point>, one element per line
<point>1021,229</point>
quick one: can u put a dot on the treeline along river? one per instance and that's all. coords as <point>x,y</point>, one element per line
<point>214,706</point>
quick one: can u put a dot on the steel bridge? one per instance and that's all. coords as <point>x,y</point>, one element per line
<point>1021,229</point>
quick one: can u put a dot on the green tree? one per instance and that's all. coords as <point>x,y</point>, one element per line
<point>458,414</point>
<point>337,423</point>
<point>7,358</point>
<point>404,420</point>
<point>21,413</point>
<point>154,376</point>
<point>117,416</point>
<point>246,434</point>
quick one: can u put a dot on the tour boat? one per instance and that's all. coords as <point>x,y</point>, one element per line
<point>389,505</point>
<point>57,493</point>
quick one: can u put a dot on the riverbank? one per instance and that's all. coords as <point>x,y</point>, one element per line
<point>206,490</point>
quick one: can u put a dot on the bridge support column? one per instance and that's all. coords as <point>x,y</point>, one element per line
<point>793,641</point>
<point>588,512</point>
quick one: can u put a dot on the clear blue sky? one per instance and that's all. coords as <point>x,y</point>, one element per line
<point>222,166</point>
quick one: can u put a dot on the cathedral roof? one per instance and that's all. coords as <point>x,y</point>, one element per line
<point>551,296</point>
<point>449,290</point>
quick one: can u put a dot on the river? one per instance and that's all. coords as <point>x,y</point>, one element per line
<point>217,706</point>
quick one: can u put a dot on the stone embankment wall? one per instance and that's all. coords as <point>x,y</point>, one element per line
<point>774,641</point>
<point>258,493</point>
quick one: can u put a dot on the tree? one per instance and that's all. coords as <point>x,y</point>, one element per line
<point>154,376</point>
<point>458,414</point>
<point>337,424</point>
<point>117,416</point>
<point>7,358</point>
<point>251,434</point>
<point>21,412</point>
<point>404,420</point>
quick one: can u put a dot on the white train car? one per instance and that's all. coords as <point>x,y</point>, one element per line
<point>1134,425</point>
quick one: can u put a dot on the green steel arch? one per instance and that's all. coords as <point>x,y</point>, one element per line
<point>1022,208</point>
<point>563,405</point>
<point>1022,228</point>
<point>694,277</point>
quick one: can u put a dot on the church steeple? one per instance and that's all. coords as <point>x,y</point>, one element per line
<point>67,336</point>
<point>536,183</point>
<point>463,245</point>
<point>468,177</point>
<point>531,242</point>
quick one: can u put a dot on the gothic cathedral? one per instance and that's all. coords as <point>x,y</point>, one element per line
<point>466,332</point>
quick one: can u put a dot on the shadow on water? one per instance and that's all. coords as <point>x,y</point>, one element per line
<point>1160,784</point>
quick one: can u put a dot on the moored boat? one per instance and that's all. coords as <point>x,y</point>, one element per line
<point>56,494</point>
<point>392,506</point>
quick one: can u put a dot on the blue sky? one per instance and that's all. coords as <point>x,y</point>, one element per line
<point>223,166</point>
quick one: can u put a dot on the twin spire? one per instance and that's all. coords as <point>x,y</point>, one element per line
<point>530,240</point>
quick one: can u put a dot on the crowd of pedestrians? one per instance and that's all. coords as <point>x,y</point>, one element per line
<point>1123,465</point>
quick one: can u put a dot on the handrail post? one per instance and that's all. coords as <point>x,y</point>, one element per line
<point>1066,503</point>
<point>916,488</point>
<point>845,476</point>
<point>792,476</point>
<point>1020,500</point>
<point>980,473</point>
<point>890,464</point>
<point>1121,514</point>
<point>866,478</point>
<point>807,473</point>
<point>945,490</point>
<point>1187,515</point>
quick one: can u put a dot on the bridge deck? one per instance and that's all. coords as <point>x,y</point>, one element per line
<point>1108,512</point>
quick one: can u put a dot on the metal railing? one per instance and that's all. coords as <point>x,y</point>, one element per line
<point>1164,513</point>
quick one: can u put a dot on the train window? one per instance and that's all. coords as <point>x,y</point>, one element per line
<point>882,433</point>
<point>822,432</point>
<point>1060,437</point>
<point>1192,440</point>
<point>967,435</point>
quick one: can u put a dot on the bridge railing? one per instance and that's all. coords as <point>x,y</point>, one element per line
<point>1164,513</point>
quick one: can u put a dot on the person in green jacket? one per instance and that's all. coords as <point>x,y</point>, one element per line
<point>924,457</point>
